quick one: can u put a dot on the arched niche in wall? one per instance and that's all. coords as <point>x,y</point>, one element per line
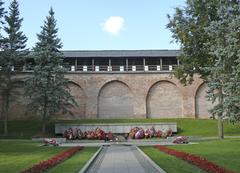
<point>202,105</point>
<point>115,100</point>
<point>164,100</point>
<point>79,96</point>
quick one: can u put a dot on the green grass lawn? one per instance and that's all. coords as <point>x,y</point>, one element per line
<point>75,163</point>
<point>170,163</point>
<point>18,155</point>
<point>25,129</point>
<point>223,152</point>
<point>191,127</point>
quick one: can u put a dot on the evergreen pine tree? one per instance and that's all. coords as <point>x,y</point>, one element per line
<point>13,53</point>
<point>232,87</point>
<point>2,12</point>
<point>47,87</point>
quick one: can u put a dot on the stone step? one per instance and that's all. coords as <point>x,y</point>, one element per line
<point>120,138</point>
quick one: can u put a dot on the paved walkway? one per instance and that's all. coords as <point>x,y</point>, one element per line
<point>122,159</point>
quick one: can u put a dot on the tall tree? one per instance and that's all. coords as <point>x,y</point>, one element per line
<point>14,51</point>
<point>188,28</point>
<point>47,87</point>
<point>223,79</point>
<point>201,29</point>
<point>2,12</point>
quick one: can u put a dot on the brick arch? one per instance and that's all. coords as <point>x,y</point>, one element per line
<point>202,105</point>
<point>79,95</point>
<point>164,100</point>
<point>115,100</point>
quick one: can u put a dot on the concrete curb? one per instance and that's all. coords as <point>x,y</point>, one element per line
<point>199,138</point>
<point>151,162</point>
<point>88,164</point>
<point>137,143</point>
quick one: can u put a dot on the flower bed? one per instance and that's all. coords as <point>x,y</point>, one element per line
<point>195,160</point>
<point>42,166</point>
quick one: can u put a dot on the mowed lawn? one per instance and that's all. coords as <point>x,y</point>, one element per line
<point>76,162</point>
<point>225,153</point>
<point>18,155</point>
<point>222,152</point>
<point>26,129</point>
<point>169,163</point>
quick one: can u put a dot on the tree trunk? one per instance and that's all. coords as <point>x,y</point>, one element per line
<point>6,117</point>
<point>220,128</point>
<point>5,126</point>
<point>220,117</point>
<point>2,110</point>
<point>44,123</point>
<point>44,127</point>
<point>44,119</point>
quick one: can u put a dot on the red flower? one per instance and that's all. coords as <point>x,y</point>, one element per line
<point>41,166</point>
<point>195,160</point>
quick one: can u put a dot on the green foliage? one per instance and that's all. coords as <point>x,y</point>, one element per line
<point>188,28</point>
<point>223,79</point>
<point>2,12</point>
<point>209,35</point>
<point>47,88</point>
<point>14,52</point>
<point>15,41</point>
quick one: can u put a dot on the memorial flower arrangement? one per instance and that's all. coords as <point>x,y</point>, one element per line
<point>181,140</point>
<point>44,165</point>
<point>195,160</point>
<point>98,133</point>
<point>50,141</point>
<point>140,133</point>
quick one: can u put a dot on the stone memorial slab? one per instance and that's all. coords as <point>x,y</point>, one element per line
<point>116,127</point>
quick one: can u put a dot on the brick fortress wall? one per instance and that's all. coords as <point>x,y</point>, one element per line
<point>129,95</point>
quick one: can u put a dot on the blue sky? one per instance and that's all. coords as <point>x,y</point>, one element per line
<point>103,24</point>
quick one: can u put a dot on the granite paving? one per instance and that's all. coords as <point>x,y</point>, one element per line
<point>122,159</point>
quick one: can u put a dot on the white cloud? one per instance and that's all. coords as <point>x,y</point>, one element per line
<point>114,25</point>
